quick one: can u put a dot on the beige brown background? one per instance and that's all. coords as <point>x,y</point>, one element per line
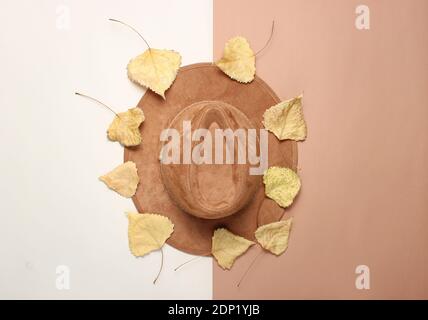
<point>364,165</point>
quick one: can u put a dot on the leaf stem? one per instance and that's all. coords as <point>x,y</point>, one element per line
<point>249,267</point>
<point>160,269</point>
<point>133,29</point>
<point>260,253</point>
<point>96,100</point>
<point>191,260</point>
<point>270,38</point>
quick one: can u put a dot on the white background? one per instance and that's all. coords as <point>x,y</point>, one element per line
<point>54,211</point>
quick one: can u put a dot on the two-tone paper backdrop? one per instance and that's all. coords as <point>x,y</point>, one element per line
<point>364,165</point>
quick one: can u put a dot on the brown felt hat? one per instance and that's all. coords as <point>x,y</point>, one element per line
<point>201,198</point>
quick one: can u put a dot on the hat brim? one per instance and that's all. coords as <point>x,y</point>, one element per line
<point>194,83</point>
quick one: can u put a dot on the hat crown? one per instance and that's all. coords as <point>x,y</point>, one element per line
<point>212,180</point>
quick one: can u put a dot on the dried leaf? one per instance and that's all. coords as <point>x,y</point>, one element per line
<point>147,232</point>
<point>274,236</point>
<point>285,120</point>
<point>226,247</point>
<point>238,61</point>
<point>123,179</point>
<point>281,185</point>
<point>155,69</point>
<point>125,127</point>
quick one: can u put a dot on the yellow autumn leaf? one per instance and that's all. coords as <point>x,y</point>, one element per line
<point>147,232</point>
<point>281,185</point>
<point>125,127</point>
<point>274,236</point>
<point>155,69</point>
<point>238,61</point>
<point>123,179</point>
<point>226,247</point>
<point>285,120</point>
